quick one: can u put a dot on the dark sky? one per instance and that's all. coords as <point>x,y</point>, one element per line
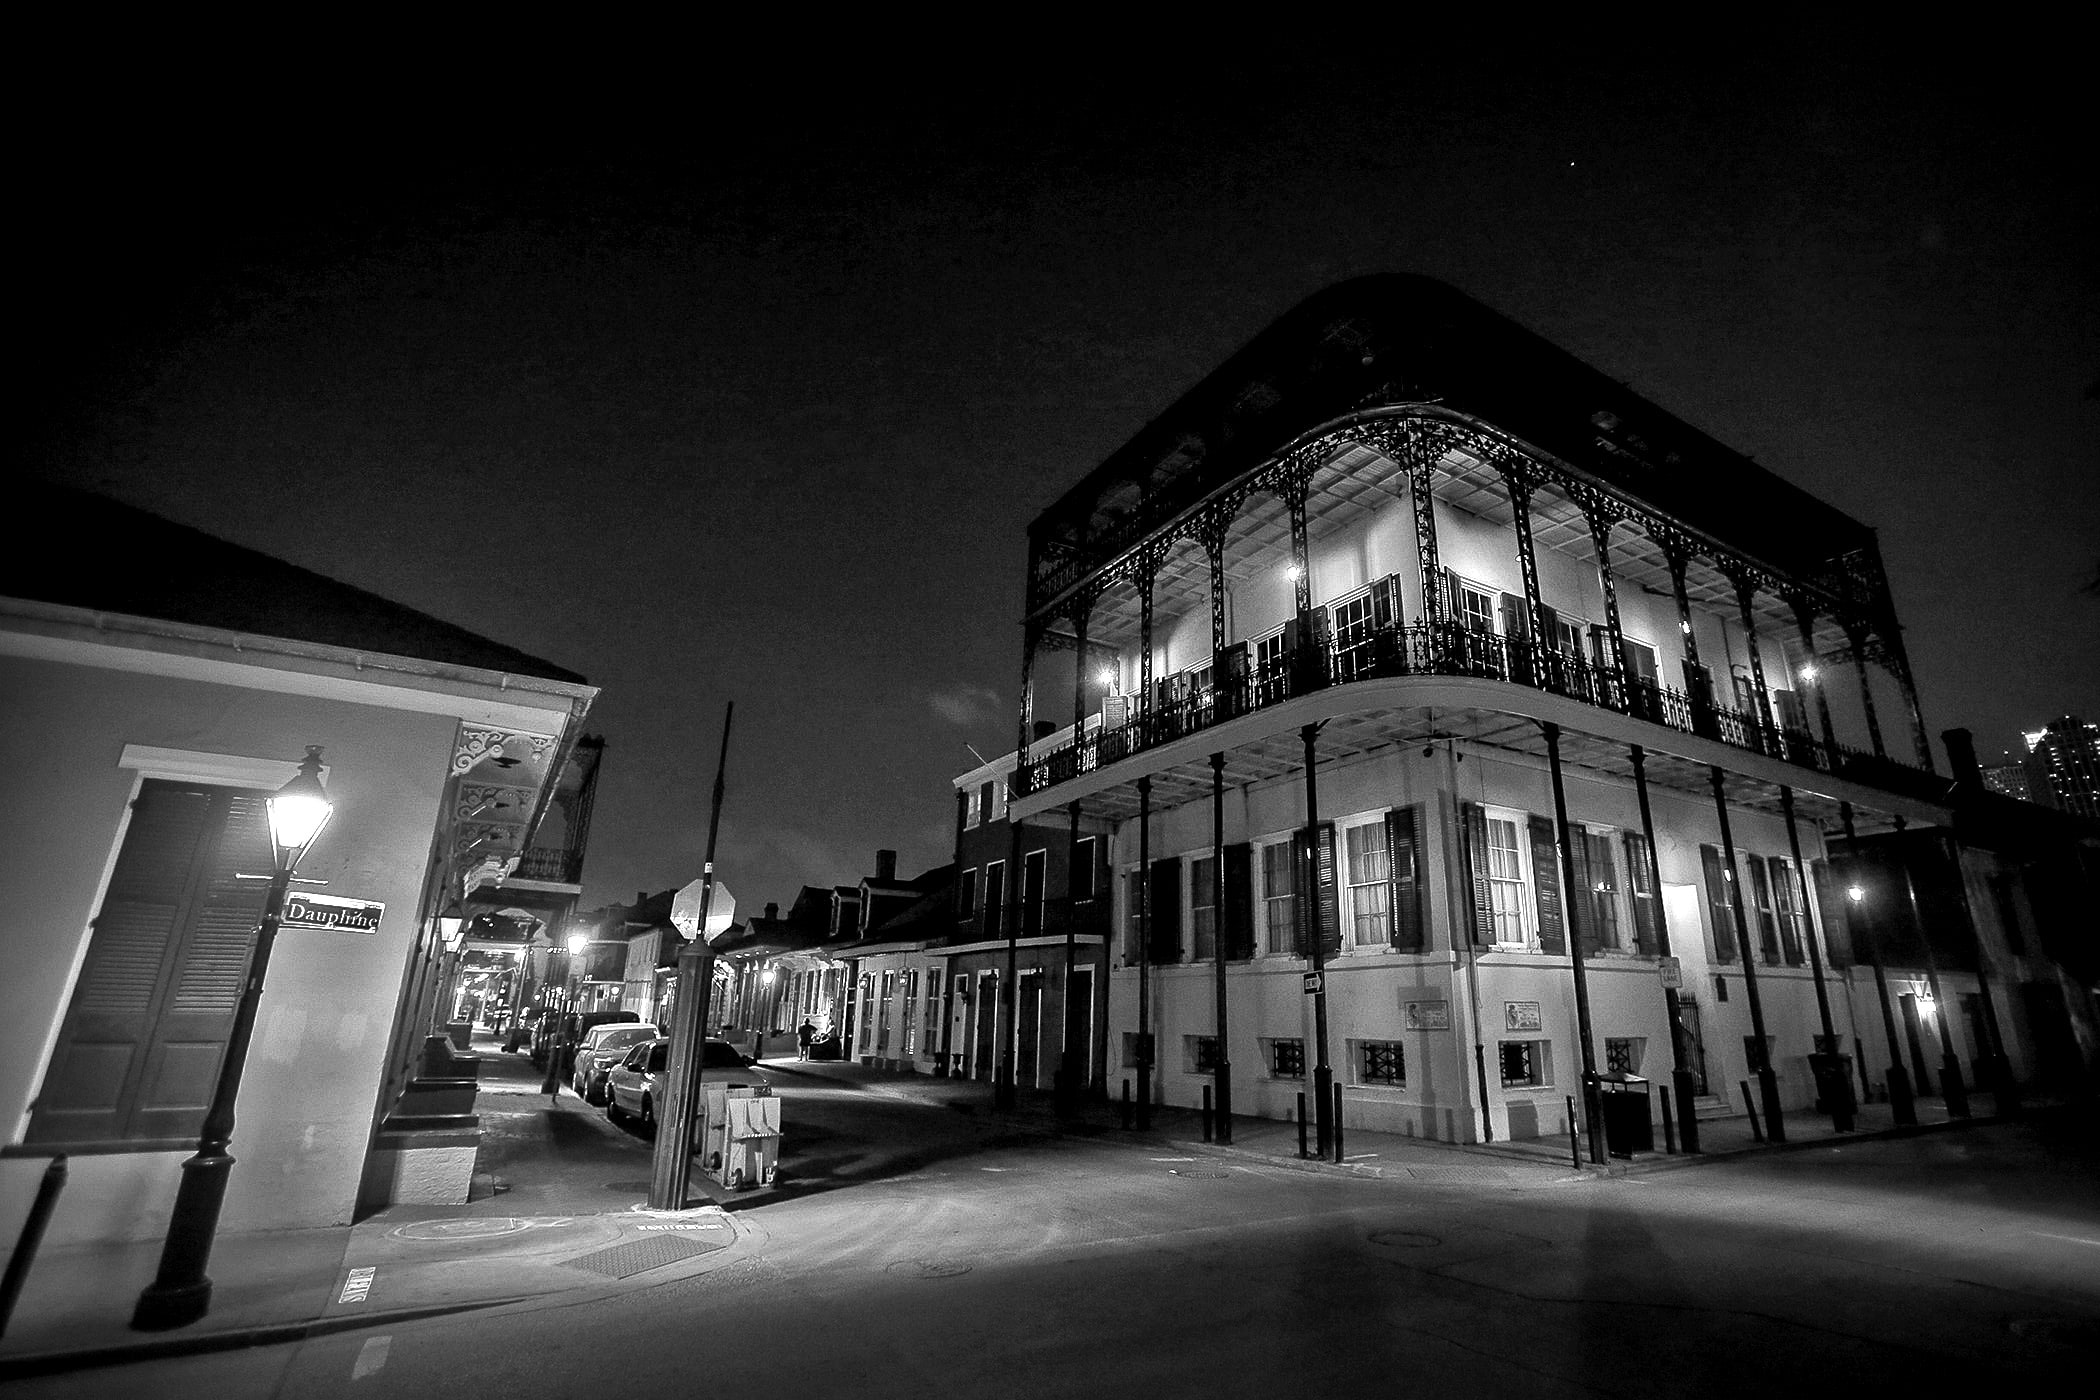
<point>749,393</point>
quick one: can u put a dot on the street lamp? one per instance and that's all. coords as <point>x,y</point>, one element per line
<point>181,1292</point>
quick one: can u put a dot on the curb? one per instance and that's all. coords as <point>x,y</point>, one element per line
<point>50,1363</point>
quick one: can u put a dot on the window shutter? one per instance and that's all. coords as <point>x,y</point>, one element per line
<point>1473,833</point>
<point>138,1055</point>
<point>1786,904</point>
<point>1385,602</point>
<point>1767,926</point>
<point>1837,934</point>
<point>1720,918</point>
<point>1646,940</point>
<point>1546,887</point>
<point>1322,906</point>
<point>1166,910</point>
<point>1405,926</point>
<point>1239,901</point>
<point>1592,860</point>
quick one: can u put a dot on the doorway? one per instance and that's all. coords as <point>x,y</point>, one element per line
<point>1694,1044</point>
<point>1028,1021</point>
<point>984,1038</point>
<point>1914,1034</point>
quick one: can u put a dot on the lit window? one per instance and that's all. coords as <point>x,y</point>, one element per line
<point>1370,865</point>
<point>1505,881</point>
<point>1279,898</point>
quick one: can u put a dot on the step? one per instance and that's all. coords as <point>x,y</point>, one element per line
<point>1713,1106</point>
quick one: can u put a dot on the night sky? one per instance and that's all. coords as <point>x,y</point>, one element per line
<point>749,393</point>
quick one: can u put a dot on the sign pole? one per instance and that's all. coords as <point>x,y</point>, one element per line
<point>672,1174</point>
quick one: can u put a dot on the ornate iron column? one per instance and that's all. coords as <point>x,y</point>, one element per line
<point>1805,619</point>
<point>1592,1096</point>
<point>1082,614</point>
<point>1745,581</point>
<point>1144,898</point>
<point>1698,685</point>
<point>1953,1090</point>
<point>1833,1081</point>
<point>1856,637</point>
<point>1296,484</point>
<point>1682,1081</point>
<point>1544,655</point>
<point>1421,472</point>
<point>1767,1080</point>
<point>1601,517</point>
<point>1214,549</point>
<point>1148,564</point>
<point>1222,1064</point>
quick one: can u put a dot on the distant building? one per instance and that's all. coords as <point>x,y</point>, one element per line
<point>2063,765</point>
<point>2008,780</point>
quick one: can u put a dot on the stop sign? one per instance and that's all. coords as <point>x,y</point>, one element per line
<point>721,910</point>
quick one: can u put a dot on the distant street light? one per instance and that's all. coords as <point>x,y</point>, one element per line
<point>181,1293</point>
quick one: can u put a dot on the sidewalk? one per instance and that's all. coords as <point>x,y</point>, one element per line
<point>558,1208</point>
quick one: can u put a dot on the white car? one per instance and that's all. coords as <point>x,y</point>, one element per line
<point>602,1048</point>
<point>635,1086</point>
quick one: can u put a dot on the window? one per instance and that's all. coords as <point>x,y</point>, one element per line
<point>1525,1064</point>
<point>1720,903</point>
<point>1272,665</point>
<point>1476,608</point>
<point>995,899</point>
<point>1370,868</point>
<point>138,1054</point>
<point>1786,902</point>
<point>1354,624</point>
<point>1505,881</point>
<point>1137,1049</point>
<point>973,808</point>
<point>1200,1054</point>
<point>1599,882</point>
<point>1380,1062</point>
<point>1082,874</point>
<point>1640,887</point>
<point>966,895</point>
<point>933,1009</point>
<point>1279,898</point>
<point>1203,906</point>
<point>1034,890</point>
<point>1623,1056</point>
<point>1286,1058</point>
<point>1133,928</point>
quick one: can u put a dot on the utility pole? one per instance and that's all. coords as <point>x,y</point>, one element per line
<point>672,1173</point>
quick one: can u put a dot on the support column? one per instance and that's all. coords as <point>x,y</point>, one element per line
<point>1767,1080</point>
<point>1592,1097</point>
<point>1833,1081</point>
<point>1323,1073</point>
<point>1083,614</point>
<point>1903,1102</point>
<point>1805,619</point>
<point>1144,897</point>
<point>1745,593</point>
<point>1222,1072</point>
<point>1223,701</point>
<point>2004,1088</point>
<point>1698,685</point>
<point>1146,566</point>
<point>1857,637</point>
<point>1682,1081</point>
<point>1601,522</point>
<point>1305,660</point>
<point>1069,1076</point>
<point>1420,479</point>
<point>1953,1087</point>
<point>1545,662</point>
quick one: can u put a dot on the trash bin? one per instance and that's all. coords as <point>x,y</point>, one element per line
<point>1833,1074</point>
<point>739,1135</point>
<point>1628,1128</point>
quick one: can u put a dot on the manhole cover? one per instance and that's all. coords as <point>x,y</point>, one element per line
<point>1404,1239</point>
<point>927,1268</point>
<point>481,1229</point>
<point>1196,1175</point>
<point>639,1256</point>
<point>630,1187</point>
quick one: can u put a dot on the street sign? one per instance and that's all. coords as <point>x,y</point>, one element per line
<point>1672,973</point>
<point>721,910</point>
<point>1315,983</point>
<point>305,910</point>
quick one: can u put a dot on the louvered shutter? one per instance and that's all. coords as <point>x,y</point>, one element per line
<point>1786,904</point>
<point>1646,940</point>
<point>138,1055</point>
<point>1831,902</point>
<point>1546,887</point>
<point>1166,910</point>
<point>1473,833</point>
<point>1323,905</point>
<point>1720,917</point>
<point>1385,602</point>
<point>1239,901</point>
<point>1767,925</point>
<point>1594,923</point>
<point>1405,928</point>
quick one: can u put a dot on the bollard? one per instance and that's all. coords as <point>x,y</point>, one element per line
<point>1126,1103</point>
<point>1337,1122</point>
<point>1669,1123</point>
<point>32,1235</point>
<point>1574,1146</point>
<point>1757,1133</point>
<point>1206,1113</point>
<point>1301,1122</point>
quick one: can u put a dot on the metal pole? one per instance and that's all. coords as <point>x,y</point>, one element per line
<point>1683,1083</point>
<point>673,1165</point>
<point>1953,1092</point>
<point>1144,898</point>
<point>1834,1083</point>
<point>1767,1081</point>
<point>1903,1103</point>
<point>1222,1065</point>
<point>32,1236</point>
<point>1592,1107</point>
<point>1323,1074</point>
<point>181,1292</point>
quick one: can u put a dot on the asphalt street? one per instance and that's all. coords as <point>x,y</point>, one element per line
<point>917,1250</point>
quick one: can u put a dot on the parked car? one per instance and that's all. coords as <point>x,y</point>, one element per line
<point>635,1086</point>
<point>602,1048</point>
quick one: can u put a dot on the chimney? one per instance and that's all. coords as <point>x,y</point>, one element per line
<point>772,912</point>
<point>1961,755</point>
<point>886,867</point>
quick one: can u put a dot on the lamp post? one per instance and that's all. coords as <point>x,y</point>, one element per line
<point>181,1292</point>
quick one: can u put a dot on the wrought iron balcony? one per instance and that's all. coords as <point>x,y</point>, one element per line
<point>1451,649</point>
<point>554,864</point>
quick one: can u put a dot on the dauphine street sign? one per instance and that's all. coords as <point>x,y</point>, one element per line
<point>326,911</point>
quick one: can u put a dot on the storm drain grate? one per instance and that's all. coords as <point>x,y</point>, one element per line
<point>1195,1174</point>
<point>639,1256</point>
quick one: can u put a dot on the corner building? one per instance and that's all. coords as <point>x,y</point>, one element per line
<point>1461,724</point>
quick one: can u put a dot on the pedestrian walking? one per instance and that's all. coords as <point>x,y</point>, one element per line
<point>804,1034</point>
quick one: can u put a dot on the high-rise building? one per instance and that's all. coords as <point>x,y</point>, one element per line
<point>2009,779</point>
<point>2063,765</point>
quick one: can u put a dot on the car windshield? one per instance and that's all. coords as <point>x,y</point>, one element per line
<point>623,1037</point>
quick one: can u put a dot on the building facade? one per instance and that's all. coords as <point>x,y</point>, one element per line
<point>1458,730</point>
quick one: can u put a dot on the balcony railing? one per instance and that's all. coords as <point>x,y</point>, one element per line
<point>1450,649</point>
<point>554,864</point>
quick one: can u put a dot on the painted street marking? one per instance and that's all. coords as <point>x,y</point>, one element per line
<point>1358,1156</point>
<point>357,1285</point>
<point>370,1357</point>
<point>2068,1239</point>
<point>1173,1159</point>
